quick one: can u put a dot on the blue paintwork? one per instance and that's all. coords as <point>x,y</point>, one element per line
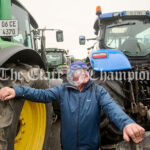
<point>109,15</point>
<point>106,15</point>
<point>114,61</point>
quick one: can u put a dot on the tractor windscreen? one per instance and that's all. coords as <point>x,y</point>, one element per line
<point>54,58</point>
<point>24,26</point>
<point>130,36</point>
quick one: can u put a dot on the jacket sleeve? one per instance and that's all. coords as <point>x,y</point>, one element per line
<point>113,110</point>
<point>38,95</point>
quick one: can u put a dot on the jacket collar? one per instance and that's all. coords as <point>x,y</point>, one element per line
<point>87,85</point>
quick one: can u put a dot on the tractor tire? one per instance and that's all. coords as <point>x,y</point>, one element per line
<point>55,142</point>
<point>108,129</point>
<point>115,89</point>
<point>24,125</point>
<point>56,105</point>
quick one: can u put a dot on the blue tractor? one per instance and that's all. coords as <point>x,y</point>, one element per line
<point>122,66</point>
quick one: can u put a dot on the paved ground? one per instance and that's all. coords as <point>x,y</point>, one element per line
<point>55,140</point>
<point>55,136</point>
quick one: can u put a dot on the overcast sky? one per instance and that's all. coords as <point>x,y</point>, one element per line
<point>75,18</point>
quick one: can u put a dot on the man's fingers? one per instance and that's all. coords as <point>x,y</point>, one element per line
<point>126,137</point>
<point>6,93</point>
<point>130,133</point>
<point>136,131</point>
<point>127,133</point>
<point>0,96</point>
<point>4,96</point>
<point>137,139</point>
<point>139,131</point>
<point>142,131</point>
<point>9,97</point>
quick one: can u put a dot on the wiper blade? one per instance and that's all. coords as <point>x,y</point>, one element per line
<point>118,25</point>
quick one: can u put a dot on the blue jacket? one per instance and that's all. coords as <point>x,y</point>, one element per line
<point>80,112</point>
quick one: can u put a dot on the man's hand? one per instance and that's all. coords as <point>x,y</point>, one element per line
<point>7,93</point>
<point>133,131</point>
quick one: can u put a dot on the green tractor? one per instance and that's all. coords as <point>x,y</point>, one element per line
<point>23,124</point>
<point>58,61</point>
<point>121,64</point>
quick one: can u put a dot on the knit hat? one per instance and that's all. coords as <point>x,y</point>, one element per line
<point>77,65</point>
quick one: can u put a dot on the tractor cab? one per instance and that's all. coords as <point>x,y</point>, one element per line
<point>57,59</point>
<point>124,35</point>
<point>128,31</point>
<point>19,29</point>
<point>16,34</point>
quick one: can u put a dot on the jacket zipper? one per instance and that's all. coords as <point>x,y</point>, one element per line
<point>78,121</point>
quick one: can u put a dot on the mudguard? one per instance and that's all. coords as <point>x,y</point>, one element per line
<point>115,60</point>
<point>22,54</point>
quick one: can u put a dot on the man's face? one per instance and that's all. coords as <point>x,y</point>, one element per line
<point>80,76</point>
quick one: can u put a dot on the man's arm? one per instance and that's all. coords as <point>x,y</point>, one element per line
<point>36,95</point>
<point>113,110</point>
<point>119,117</point>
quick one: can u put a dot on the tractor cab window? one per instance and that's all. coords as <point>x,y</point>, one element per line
<point>130,36</point>
<point>54,58</point>
<point>24,26</point>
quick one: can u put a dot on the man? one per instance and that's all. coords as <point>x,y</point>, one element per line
<point>81,101</point>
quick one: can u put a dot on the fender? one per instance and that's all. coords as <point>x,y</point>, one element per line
<point>115,60</point>
<point>15,54</point>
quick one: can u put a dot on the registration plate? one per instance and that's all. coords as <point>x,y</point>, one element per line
<point>136,13</point>
<point>8,27</point>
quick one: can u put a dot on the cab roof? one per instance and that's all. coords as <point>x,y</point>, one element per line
<point>122,14</point>
<point>32,20</point>
<point>125,13</point>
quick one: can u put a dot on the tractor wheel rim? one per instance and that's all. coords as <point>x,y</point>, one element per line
<point>32,127</point>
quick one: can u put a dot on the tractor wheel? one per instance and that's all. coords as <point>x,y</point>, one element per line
<point>24,125</point>
<point>55,142</point>
<point>115,89</point>
<point>56,105</point>
<point>108,129</point>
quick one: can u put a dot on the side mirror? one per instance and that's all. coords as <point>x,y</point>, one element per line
<point>82,40</point>
<point>59,36</point>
